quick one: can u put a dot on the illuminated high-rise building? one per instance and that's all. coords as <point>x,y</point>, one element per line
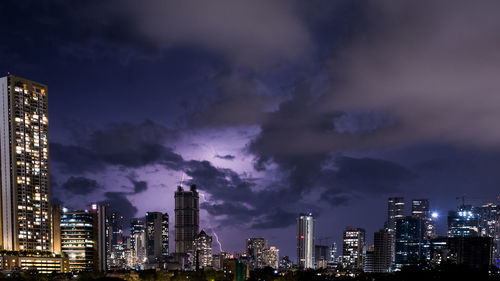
<point>420,209</point>
<point>203,250</point>
<point>255,251</point>
<point>464,222</point>
<point>305,240</point>
<point>489,223</point>
<point>352,248</point>
<point>187,217</point>
<point>156,236</point>
<point>272,257</point>
<point>138,240</point>
<point>82,234</point>
<point>116,259</point>
<point>24,165</point>
<point>395,211</point>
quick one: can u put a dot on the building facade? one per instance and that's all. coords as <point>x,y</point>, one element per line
<point>321,256</point>
<point>24,165</point>
<point>80,240</point>
<point>383,251</point>
<point>305,240</point>
<point>410,247</point>
<point>489,224</point>
<point>395,211</point>
<point>156,236</point>
<point>352,250</point>
<point>203,250</point>
<point>464,222</point>
<point>187,217</point>
<point>272,257</point>
<point>255,248</point>
<point>420,208</point>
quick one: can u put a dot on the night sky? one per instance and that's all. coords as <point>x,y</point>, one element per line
<point>272,108</point>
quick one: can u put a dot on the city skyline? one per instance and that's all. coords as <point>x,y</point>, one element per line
<point>315,112</point>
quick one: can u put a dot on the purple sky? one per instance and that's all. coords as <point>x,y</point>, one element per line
<point>272,108</point>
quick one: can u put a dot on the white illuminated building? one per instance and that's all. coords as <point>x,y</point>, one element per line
<point>305,240</point>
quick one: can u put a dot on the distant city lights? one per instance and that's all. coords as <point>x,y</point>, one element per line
<point>435,215</point>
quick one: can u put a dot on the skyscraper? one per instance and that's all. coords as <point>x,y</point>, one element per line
<point>100,236</point>
<point>156,236</point>
<point>489,223</point>
<point>255,251</point>
<point>137,228</point>
<point>321,255</point>
<point>116,251</point>
<point>305,240</point>
<point>24,165</point>
<point>464,222</point>
<point>81,235</point>
<point>420,209</point>
<point>395,211</point>
<point>203,250</point>
<point>187,212</point>
<point>383,251</point>
<point>352,250</point>
<point>410,241</point>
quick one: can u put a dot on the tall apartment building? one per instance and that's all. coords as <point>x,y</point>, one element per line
<point>489,223</point>
<point>187,219</point>
<point>305,240</point>
<point>353,246</point>
<point>395,211</point>
<point>255,250</point>
<point>24,165</point>
<point>272,257</point>
<point>156,236</point>
<point>203,250</point>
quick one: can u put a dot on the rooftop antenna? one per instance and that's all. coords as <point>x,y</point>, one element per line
<point>182,178</point>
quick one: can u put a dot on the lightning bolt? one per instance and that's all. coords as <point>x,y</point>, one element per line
<point>217,239</point>
<point>202,195</point>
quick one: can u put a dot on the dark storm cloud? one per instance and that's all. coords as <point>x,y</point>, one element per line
<point>118,202</point>
<point>126,145</point>
<point>80,185</point>
<point>371,175</point>
<point>225,157</point>
<point>260,33</point>
<point>356,177</point>
<point>276,218</point>
<point>431,65</point>
<point>139,186</point>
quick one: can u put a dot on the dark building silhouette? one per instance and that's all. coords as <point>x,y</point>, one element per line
<point>410,241</point>
<point>475,252</point>
<point>156,236</point>
<point>187,214</point>
<point>383,252</point>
